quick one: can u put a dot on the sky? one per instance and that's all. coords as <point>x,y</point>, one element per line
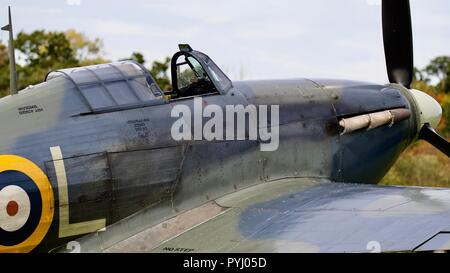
<point>248,39</point>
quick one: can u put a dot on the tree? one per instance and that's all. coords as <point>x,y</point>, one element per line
<point>439,68</point>
<point>87,52</point>
<point>138,57</point>
<point>82,47</point>
<point>445,103</point>
<point>159,70</point>
<point>420,75</point>
<point>48,50</point>
<point>4,71</point>
<point>43,51</point>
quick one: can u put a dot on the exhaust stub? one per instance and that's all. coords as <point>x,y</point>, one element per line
<point>373,120</point>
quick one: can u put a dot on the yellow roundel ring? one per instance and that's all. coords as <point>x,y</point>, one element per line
<point>25,166</point>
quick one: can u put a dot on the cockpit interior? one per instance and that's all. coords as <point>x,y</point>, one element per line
<point>194,73</point>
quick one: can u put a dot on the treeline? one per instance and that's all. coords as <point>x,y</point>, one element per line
<point>41,51</point>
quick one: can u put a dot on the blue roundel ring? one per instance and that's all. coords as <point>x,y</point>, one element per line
<point>16,178</point>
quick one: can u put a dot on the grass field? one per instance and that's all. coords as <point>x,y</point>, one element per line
<point>420,165</point>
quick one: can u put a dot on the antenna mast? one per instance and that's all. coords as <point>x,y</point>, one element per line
<point>12,58</point>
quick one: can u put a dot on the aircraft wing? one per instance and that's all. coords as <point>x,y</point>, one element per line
<point>300,215</point>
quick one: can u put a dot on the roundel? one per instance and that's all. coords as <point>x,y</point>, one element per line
<point>26,204</point>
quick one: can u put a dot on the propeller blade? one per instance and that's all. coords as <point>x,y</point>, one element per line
<point>428,134</point>
<point>398,41</point>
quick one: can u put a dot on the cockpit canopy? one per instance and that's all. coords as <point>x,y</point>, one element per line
<point>127,84</point>
<point>112,85</point>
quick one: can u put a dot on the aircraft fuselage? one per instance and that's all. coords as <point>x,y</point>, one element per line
<point>95,169</point>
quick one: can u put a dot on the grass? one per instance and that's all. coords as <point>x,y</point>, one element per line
<point>420,165</point>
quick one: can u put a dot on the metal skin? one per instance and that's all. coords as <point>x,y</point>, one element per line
<point>124,161</point>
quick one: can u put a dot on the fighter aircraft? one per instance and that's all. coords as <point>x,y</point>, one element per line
<point>89,163</point>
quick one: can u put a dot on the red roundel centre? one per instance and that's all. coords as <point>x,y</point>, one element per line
<point>12,208</point>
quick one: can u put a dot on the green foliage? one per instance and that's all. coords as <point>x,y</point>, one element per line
<point>438,69</point>
<point>419,76</point>
<point>186,77</point>
<point>159,70</point>
<point>445,103</point>
<point>138,57</point>
<point>44,51</point>
<point>83,48</point>
<point>4,71</point>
